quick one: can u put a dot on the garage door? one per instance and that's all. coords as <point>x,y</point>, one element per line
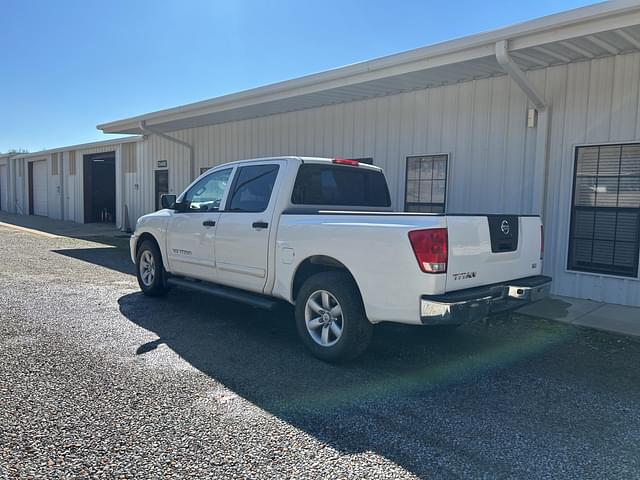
<point>40,188</point>
<point>4,188</point>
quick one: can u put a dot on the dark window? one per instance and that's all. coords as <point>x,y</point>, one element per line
<point>426,184</point>
<point>206,195</point>
<point>605,210</point>
<point>204,169</point>
<point>162,186</point>
<point>252,188</point>
<point>331,185</point>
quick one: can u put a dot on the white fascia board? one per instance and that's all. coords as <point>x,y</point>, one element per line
<point>81,146</point>
<point>577,30</point>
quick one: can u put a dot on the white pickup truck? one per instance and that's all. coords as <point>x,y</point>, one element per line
<point>320,234</point>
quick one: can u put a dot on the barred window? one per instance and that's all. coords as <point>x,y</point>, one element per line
<point>605,211</point>
<point>426,184</point>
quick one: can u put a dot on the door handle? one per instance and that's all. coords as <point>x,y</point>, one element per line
<point>259,224</point>
<point>209,223</point>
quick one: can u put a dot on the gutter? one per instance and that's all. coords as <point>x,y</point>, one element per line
<point>518,76</point>
<point>152,131</point>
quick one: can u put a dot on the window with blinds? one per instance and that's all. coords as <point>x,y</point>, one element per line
<point>605,210</point>
<point>426,184</point>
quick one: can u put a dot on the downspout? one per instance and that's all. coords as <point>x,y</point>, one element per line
<point>542,135</point>
<point>61,177</point>
<point>192,162</point>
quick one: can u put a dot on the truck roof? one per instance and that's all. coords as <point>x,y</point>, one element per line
<point>297,159</point>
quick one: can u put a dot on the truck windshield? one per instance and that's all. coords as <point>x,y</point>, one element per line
<point>318,184</point>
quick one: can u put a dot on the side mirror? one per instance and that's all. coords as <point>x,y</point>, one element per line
<point>168,200</point>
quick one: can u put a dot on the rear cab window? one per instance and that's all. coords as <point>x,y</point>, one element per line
<point>334,185</point>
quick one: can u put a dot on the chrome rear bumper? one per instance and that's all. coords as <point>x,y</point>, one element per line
<point>477,303</point>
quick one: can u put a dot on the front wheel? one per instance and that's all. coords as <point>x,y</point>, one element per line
<point>150,270</point>
<point>330,317</point>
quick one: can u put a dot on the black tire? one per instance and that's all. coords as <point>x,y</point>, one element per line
<point>356,328</point>
<point>157,286</point>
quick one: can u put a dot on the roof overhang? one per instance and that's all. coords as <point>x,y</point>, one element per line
<point>81,146</point>
<point>595,31</point>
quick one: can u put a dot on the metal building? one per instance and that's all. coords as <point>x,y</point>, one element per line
<point>541,117</point>
<point>82,183</point>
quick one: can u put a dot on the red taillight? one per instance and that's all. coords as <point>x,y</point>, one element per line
<point>344,161</point>
<point>430,248</point>
<point>541,242</point>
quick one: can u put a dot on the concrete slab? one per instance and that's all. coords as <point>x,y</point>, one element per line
<point>619,319</point>
<point>59,227</point>
<point>613,318</point>
<point>564,309</point>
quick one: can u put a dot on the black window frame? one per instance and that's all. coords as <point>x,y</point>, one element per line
<point>432,157</point>
<point>234,186</point>
<point>594,267</point>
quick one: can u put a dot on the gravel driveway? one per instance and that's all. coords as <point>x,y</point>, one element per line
<point>97,381</point>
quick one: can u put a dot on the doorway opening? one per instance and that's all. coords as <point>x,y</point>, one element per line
<point>100,187</point>
<point>162,186</point>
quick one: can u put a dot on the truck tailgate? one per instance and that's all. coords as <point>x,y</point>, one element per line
<point>488,249</point>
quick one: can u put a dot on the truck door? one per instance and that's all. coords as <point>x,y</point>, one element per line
<point>242,235</point>
<point>192,229</point>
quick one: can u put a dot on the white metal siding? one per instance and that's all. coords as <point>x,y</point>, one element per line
<point>40,190</point>
<point>4,188</point>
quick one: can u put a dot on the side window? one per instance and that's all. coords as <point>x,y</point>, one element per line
<point>206,195</point>
<point>605,212</point>
<point>252,188</point>
<point>426,184</point>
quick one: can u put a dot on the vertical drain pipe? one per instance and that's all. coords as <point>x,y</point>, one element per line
<point>544,119</point>
<point>192,162</point>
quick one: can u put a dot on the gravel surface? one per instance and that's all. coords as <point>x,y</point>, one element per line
<point>97,381</point>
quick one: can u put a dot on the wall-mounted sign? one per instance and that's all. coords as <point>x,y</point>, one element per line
<point>162,164</point>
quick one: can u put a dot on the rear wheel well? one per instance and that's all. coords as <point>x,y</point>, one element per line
<point>317,264</point>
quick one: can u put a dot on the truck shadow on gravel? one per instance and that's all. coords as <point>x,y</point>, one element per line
<point>500,400</point>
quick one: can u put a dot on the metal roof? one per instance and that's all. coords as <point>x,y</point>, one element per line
<point>81,146</point>
<point>599,30</point>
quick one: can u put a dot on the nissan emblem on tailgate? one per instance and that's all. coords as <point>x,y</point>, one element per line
<point>504,226</point>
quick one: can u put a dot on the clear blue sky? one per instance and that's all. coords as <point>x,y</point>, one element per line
<point>69,65</point>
